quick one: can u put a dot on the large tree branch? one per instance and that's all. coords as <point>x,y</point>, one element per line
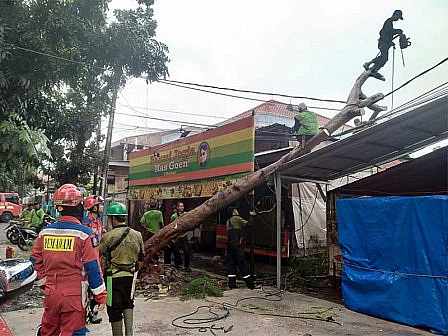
<point>192,219</point>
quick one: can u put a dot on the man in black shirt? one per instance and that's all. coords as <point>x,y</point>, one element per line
<point>387,34</point>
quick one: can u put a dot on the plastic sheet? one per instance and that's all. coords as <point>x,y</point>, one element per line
<point>395,253</point>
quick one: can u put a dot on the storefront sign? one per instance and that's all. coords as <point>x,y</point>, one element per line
<point>222,151</point>
<point>189,189</point>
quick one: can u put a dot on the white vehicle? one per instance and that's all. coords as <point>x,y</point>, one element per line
<point>15,274</point>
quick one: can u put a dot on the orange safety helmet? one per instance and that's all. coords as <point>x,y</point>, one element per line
<point>68,195</point>
<point>92,200</point>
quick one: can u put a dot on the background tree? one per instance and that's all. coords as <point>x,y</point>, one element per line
<point>60,64</point>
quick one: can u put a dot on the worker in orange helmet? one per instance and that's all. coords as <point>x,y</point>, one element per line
<point>65,257</point>
<point>94,206</point>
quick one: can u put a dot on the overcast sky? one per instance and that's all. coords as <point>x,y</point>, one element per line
<point>300,48</point>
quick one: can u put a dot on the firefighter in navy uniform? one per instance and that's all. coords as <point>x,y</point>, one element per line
<point>65,256</point>
<point>123,249</point>
<point>235,255</point>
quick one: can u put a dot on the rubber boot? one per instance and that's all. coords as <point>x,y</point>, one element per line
<point>128,322</point>
<point>94,319</point>
<point>232,282</point>
<point>249,282</point>
<point>117,328</point>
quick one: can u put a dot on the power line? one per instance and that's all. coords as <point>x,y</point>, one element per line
<point>168,120</point>
<point>425,97</point>
<point>122,126</point>
<point>167,81</point>
<point>240,97</point>
<point>217,93</point>
<point>172,82</point>
<point>415,77</point>
<point>436,92</point>
<point>170,111</point>
<point>144,116</point>
<point>56,57</point>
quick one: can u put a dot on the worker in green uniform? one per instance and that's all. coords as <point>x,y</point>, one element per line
<point>305,124</point>
<point>25,215</point>
<point>37,217</point>
<point>235,255</point>
<point>122,247</point>
<point>152,220</point>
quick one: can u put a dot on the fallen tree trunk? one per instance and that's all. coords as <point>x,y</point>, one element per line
<point>192,219</point>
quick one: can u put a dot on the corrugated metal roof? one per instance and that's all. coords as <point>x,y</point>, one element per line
<point>380,143</point>
<point>427,174</point>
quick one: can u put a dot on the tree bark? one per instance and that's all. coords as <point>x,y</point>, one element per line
<point>192,219</point>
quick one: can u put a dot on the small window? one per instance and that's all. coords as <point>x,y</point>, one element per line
<point>12,198</point>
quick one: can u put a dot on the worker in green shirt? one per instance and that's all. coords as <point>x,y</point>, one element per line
<point>152,220</point>
<point>25,215</point>
<point>305,124</point>
<point>37,217</point>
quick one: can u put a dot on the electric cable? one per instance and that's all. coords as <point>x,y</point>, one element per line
<point>56,57</point>
<point>436,92</point>
<point>440,89</point>
<point>393,77</point>
<point>311,211</point>
<point>300,315</point>
<point>174,112</point>
<point>167,81</point>
<point>415,77</point>
<point>168,120</point>
<point>217,93</point>
<point>193,323</point>
<point>172,82</point>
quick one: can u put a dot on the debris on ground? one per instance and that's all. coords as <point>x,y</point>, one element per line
<point>200,288</point>
<point>207,277</point>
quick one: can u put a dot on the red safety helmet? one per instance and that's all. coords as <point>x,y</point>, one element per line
<point>68,195</point>
<point>92,200</point>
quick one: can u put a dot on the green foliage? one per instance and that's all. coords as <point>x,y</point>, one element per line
<point>60,62</point>
<point>308,266</point>
<point>200,288</point>
<point>20,141</point>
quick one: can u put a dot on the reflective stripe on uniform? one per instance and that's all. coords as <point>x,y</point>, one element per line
<point>64,232</point>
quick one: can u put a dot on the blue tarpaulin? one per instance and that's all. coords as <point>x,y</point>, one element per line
<point>395,253</point>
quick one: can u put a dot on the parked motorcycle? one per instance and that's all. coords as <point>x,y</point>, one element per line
<point>24,236</point>
<point>47,221</point>
<point>13,231</point>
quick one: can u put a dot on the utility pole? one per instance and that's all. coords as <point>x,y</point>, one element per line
<point>109,141</point>
<point>97,169</point>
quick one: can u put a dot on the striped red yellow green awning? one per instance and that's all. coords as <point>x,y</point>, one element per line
<point>221,151</point>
